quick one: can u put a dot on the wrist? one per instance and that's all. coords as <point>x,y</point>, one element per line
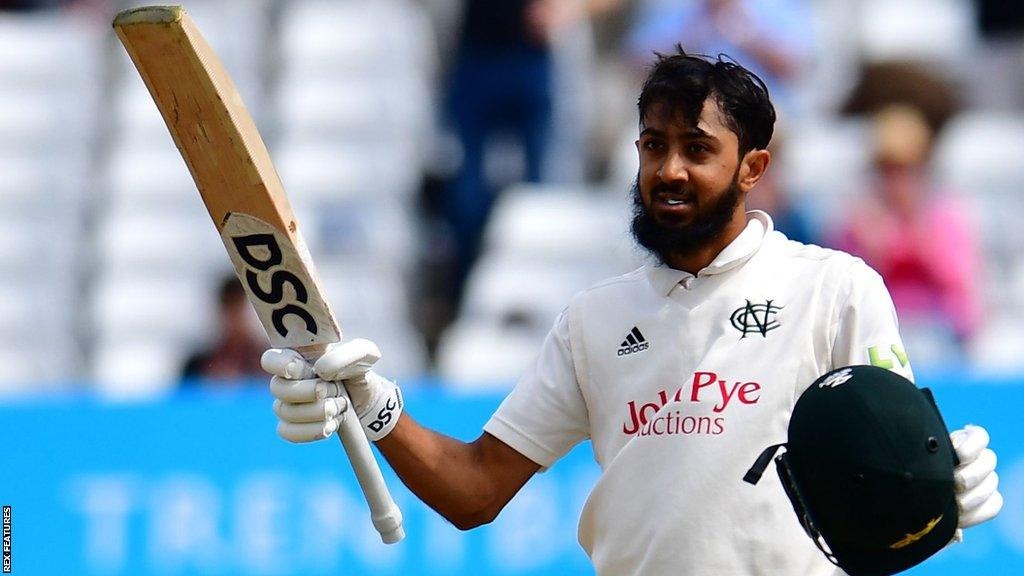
<point>381,415</point>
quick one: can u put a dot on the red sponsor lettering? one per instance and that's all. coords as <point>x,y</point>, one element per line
<point>747,390</point>
<point>704,387</point>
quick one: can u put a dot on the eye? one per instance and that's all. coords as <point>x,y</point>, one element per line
<point>697,148</point>
<point>653,145</point>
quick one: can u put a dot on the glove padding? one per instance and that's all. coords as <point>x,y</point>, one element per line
<point>309,399</point>
<point>975,478</point>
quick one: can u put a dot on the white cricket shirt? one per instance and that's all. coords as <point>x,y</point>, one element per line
<point>680,382</point>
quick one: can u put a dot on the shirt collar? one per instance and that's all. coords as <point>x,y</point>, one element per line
<point>759,224</point>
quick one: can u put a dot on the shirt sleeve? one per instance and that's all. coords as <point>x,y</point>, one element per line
<point>867,331</point>
<point>545,415</point>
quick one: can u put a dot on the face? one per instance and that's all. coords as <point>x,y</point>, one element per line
<point>690,191</point>
<point>902,187</point>
<point>235,317</point>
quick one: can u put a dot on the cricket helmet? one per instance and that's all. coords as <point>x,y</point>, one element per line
<point>868,468</point>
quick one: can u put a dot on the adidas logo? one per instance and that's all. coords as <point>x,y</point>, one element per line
<point>634,342</point>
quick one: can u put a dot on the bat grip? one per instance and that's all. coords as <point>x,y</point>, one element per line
<point>384,513</point>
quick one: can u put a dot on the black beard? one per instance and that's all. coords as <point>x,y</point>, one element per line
<point>664,241</point>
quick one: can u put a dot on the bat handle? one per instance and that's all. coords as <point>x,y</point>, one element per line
<point>386,516</point>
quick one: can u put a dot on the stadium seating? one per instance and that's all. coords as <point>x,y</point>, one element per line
<point>544,243</point>
<point>103,241</point>
<point>929,30</point>
<point>51,74</point>
<point>354,110</point>
<point>344,109</point>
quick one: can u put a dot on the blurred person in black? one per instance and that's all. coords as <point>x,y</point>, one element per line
<point>998,71</point>
<point>501,84</point>
<point>235,356</point>
<point>32,4</point>
<point>500,87</point>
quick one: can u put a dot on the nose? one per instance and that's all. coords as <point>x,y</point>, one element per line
<point>674,169</point>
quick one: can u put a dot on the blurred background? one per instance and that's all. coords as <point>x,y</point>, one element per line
<point>459,168</point>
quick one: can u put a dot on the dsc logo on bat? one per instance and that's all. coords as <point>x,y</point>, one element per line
<point>246,247</point>
<point>277,274</point>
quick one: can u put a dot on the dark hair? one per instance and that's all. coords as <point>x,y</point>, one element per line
<point>230,291</point>
<point>684,81</point>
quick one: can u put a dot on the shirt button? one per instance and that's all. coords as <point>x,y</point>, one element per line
<point>687,282</point>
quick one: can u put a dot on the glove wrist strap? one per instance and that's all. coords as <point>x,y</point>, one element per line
<point>381,417</point>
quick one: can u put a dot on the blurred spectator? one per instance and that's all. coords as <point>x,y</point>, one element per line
<point>773,38</point>
<point>881,84</point>
<point>772,196</point>
<point>501,85</point>
<point>998,72</point>
<point>235,355</point>
<point>917,237</point>
<point>32,4</point>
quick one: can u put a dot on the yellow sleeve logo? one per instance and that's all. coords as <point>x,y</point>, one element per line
<point>876,359</point>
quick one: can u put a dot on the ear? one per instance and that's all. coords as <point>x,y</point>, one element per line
<point>752,167</point>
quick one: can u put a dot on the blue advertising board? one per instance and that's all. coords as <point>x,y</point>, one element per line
<point>199,483</point>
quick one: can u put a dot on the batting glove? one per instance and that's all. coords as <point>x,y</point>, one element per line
<point>975,478</point>
<point>309,399</point>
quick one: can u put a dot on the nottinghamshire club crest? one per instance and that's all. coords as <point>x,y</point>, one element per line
<point>755,318</point>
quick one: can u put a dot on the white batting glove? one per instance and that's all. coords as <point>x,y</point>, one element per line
<point>975,479</point>
<point>309,400</point>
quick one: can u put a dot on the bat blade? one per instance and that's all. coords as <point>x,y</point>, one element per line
<point>233,171</point>
<point>241,189</point>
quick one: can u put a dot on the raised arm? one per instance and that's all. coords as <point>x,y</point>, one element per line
<point>467,483</point>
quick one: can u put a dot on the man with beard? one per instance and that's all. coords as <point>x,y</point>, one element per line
<point>679,372</point>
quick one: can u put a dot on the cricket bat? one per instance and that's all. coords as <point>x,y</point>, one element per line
<point>244,195</point>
